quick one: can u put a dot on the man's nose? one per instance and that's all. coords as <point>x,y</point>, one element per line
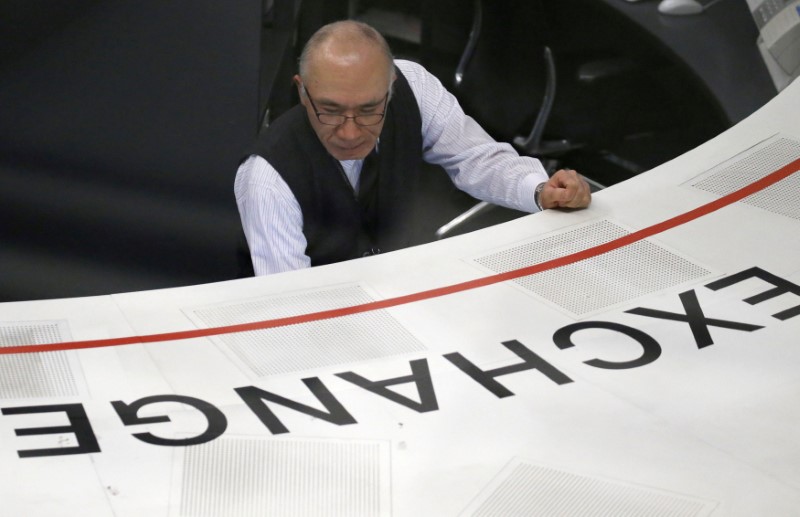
<point>349,130</point>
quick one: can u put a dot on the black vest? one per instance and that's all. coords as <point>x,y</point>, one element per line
<point>337,224</point>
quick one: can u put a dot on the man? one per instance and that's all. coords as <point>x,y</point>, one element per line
<point>333,178</point>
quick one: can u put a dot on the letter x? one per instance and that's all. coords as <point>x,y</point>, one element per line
<point>695,318</point>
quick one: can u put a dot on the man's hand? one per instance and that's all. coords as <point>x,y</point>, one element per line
<point>565,189</point>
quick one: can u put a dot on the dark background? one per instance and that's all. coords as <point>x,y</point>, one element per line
<point>122,123</point>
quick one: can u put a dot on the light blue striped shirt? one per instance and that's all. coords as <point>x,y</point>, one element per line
<point>477,164</point>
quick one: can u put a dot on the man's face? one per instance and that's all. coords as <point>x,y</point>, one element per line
<point>346,82</point>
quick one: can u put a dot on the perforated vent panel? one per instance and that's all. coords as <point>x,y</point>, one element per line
<point>358,337</point>
<point>599,282</point>
<point>255,477</point>
<point>39,374</point>
<point>532,490</point>
<point>782,198</point>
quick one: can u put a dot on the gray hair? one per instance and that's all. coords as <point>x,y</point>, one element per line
<point>349,29</point>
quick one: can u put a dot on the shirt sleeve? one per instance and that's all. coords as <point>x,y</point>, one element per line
<point>271,218</point>
<point>484,168</point>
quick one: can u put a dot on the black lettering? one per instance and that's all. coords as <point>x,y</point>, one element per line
<point>781,286</point>
<point>128,413</point>
<point>79,425</point>
<point>255,397</point>
<point>696,319</point>
<point>420,376</point>
<point>651,350</point>
<point>531,361</point>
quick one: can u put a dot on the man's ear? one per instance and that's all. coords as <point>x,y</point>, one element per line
<point>299,83</point>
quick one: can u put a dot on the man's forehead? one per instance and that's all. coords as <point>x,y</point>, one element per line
<point>347,58</point>
<point>341,87</point>
<point>349,99</point>
<point>341,56</point>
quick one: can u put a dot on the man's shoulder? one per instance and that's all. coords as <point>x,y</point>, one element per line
<point>417,77</point>
<point>257,177</point>
<point>411,70</point>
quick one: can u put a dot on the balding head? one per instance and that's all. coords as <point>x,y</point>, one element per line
<point>346,70</point>
<point>345,43</point>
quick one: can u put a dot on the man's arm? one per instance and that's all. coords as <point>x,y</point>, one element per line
<point>477,164</point>
<point>271,218</point>
<point>486,169</point>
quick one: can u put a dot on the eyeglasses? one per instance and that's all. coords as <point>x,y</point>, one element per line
<point>331,119</point>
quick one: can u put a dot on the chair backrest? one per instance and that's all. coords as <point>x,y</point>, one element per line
<point>504,80</point>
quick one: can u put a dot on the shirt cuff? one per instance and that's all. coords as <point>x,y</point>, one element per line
<point>527,187</point>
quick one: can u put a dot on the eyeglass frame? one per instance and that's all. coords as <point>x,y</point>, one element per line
<point>345,117</point>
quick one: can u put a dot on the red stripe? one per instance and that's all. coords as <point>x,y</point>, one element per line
<point>782,173</point>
